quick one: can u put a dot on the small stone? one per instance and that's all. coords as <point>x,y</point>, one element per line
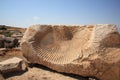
<point>12,64</point>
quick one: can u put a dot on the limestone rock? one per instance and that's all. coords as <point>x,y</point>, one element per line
<point>12,64</point>
<point>86,50</point>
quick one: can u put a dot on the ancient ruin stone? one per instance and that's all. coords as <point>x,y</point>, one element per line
<point>87,50</point>
<point>12,64</point>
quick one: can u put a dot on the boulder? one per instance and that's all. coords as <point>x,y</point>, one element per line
<point>8,42</point>
<point>86,50</point>
<point>12,64</point>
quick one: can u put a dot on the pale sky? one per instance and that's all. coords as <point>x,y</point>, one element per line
<point>23,13</point>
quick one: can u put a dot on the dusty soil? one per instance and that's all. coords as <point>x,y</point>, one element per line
<point>35,71</point>
<point>42,73</point>
<point>9,53</point>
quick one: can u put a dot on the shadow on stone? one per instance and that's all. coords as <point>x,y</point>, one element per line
<point>15,73</point>
<point>77,77</point>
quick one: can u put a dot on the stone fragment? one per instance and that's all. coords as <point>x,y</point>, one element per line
<point>12,64</point>
<point>86,50</point>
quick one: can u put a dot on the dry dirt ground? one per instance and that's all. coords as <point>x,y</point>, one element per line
<point>35,71</point>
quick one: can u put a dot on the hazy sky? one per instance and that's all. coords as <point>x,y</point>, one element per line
<point>24,13</point>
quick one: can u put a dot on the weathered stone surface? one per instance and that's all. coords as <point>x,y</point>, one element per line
<point>2,51</point>
<point>87,50</point>
<point>1,77</point>
<point>12,64</point>
<point>8,42</point>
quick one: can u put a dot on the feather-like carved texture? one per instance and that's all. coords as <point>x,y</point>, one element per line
<point>87,50</point>
<point>59,44</point>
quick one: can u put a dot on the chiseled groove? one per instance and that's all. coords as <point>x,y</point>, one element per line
<point>51,55</point>
<point>55,54</point>
<point>42,53</point>
<point>45,55</point>
<point>68,57</point>
<point>46,52</point>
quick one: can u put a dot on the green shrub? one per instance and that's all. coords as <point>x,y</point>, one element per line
<point>8,34</point>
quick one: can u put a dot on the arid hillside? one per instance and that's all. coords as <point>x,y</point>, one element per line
<point>10,28</point>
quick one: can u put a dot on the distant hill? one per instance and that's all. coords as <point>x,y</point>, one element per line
<point>10,28</point>
<point>9,31</point>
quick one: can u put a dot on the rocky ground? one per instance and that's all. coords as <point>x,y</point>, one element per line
<point>35,71</point>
